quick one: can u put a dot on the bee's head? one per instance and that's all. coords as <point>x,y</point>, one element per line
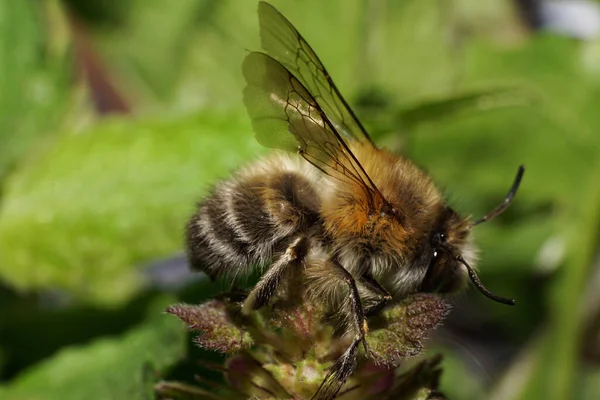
<point>448,241</point>
<point>451,256</point>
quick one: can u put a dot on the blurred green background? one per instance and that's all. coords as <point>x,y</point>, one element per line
<point>116,116</point>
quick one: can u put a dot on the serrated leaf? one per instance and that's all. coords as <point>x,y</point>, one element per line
<point>216,330</point>
<point>405,325</point>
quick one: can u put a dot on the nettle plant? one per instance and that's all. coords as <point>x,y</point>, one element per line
<point>286,351</point>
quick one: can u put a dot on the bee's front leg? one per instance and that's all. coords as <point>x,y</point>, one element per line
<point>376,295</point>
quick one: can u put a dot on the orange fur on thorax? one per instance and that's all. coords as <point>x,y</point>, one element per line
<point>350,213</point>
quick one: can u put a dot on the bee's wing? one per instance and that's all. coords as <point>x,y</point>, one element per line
<point>286,116</point>
<point>285,44</point>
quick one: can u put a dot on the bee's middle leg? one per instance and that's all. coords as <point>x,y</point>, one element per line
<point>268,283</point>
<point>338,374</point>
<point>356,307</point>
<point>341,370</point>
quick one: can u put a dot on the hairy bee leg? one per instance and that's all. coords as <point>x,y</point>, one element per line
<point>338,374</point>
<point>383,296</point>
<point>267,285</point>
<point>345,365</point>
<point>358,315</point>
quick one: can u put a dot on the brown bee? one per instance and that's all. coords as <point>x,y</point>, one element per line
<point>364,225</point>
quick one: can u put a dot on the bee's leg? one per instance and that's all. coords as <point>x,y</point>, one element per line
<point>267,285</point>
<point>380,296</point>
<point>341,370</point>
<point>338,374</point>
<point>356,308</point>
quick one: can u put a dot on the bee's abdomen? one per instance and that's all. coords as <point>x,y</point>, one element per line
<point>247,220</point>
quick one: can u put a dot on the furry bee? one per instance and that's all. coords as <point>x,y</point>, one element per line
<point>364,225</point>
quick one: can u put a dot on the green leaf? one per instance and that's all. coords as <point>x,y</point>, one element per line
<point>81,215</point>
<point>453,105</point>
<point>110,368</point>
<point>589,383</point>
<point>167,26</point>
<point>557,367</point>
<point>34,76</point>
<point>457,381</point>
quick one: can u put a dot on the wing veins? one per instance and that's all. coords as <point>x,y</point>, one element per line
<point>324,124</point>
<point>283,40</point>
<point>316,132</point>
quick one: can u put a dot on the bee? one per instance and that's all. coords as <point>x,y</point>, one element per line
<point>364,225</point>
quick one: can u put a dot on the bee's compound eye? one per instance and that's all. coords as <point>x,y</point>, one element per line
<point>435,254</point>
<point>438,238</point>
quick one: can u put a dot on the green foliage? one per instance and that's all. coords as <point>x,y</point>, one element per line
<point>457,86</point>
<point>81,214</point>
<point>110,368</point>
<point>559,199</point>
<point>34,78</point>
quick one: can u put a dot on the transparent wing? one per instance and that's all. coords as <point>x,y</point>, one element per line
<point>286,116</point>
<point>285,44</point>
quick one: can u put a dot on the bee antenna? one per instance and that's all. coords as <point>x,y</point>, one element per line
<point>477,282</point>
<point>511,194</point>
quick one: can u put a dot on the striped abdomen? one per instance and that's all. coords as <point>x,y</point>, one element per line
<point>247,220</point>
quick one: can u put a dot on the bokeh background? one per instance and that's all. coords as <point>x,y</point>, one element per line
<point>116,116</point>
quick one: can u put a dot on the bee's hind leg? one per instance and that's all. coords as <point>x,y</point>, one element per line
<point>268,283</point>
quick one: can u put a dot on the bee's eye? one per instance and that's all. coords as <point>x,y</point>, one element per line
<point>438,238</point>
<point>435,254</point>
